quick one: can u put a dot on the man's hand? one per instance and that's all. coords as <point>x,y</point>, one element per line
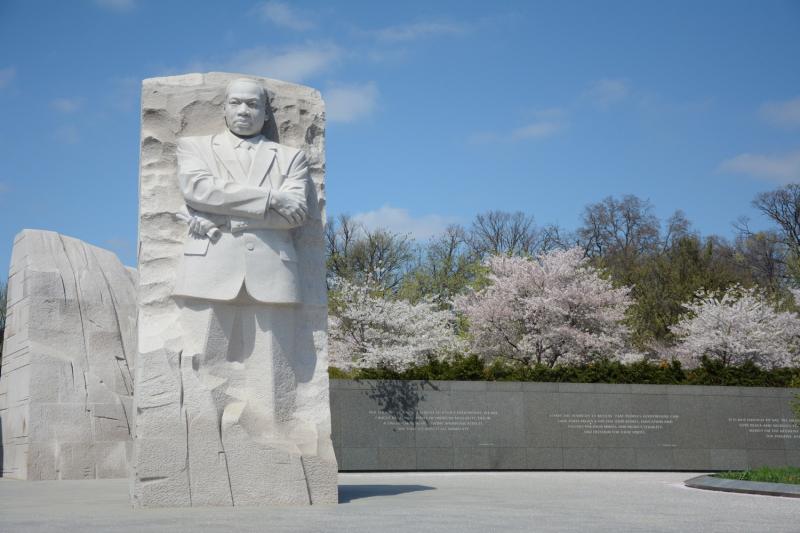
<point>288,207</point>
<point>200,226</point>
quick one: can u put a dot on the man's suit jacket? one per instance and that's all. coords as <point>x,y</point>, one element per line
<point>256,247</point>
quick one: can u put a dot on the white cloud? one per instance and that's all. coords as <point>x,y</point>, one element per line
<point>116,5</point>
<point>399,220</point>
<point>537,130</point>
<point>540,129</point>
<point>412,32</point>
<point>607,92</point>
<point>547,123</point>
<point>785,113</point>
<point>66,105</point>
<point>348,103</point>
<point>781,168</point>
<point>281,14</point>
<point>6,76</point>
<point>294,64</point>
<point>67,135</point>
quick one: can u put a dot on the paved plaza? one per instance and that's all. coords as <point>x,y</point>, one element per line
<point>421,502</point>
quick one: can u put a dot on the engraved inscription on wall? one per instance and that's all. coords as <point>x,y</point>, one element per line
<point>614,424</point>
<point>771,428</point>
<point>436,420</point>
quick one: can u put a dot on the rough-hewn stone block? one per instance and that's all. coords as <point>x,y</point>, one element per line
<point>66,381</point>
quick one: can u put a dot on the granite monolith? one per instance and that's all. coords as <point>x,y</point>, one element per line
<point>231,377</point>
<point>66,382</point>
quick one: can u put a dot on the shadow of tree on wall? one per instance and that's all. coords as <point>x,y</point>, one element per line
<point>400,399</point>
<point>348,493</point>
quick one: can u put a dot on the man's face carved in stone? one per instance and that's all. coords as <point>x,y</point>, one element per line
<point>245,108</point>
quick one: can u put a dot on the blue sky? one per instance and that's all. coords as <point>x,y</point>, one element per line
<point>437,110</point>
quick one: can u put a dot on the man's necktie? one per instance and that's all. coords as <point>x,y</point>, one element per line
<point>243,152</point>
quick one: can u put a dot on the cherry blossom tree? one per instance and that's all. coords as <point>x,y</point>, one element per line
<point>368,329</point>
<point>552,309</point>
<point>737,325</point>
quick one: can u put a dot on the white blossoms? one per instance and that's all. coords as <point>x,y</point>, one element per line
<point>367,329</point>
<point>554,309</point>
<point>737,325</point>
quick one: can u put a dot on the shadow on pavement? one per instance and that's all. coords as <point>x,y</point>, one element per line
<point>348,493</point>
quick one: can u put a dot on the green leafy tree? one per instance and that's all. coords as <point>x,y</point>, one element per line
<point>764,256</point>
<point>663,281</point>
<point>446,267</point>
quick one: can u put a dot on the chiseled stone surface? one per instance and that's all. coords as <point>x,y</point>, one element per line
<point>221,422</point>
<point>440,425</point>
<point>66,382</point>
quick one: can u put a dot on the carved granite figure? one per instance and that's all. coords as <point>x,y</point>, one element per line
<point>254,191</point>
<point>249,359</point>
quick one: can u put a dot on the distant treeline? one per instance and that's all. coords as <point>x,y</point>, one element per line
<point>664,262</point>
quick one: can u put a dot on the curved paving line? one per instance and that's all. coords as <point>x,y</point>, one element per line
<point>747,487</point>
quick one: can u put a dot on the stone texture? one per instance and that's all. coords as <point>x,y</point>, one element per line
<point>195,434</point>
<point>66,382</point>
<point>543,426</point>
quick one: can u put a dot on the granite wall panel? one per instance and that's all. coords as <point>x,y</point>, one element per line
<point>430,425</point>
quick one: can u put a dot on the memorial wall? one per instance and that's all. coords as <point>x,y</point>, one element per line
<point>440,425</point>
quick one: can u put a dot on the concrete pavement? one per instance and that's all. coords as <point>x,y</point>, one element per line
<point>421,502</point>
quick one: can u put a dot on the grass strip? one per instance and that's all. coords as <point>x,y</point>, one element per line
<point>787,474</point>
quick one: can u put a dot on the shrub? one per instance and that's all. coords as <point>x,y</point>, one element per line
<point>473,368</point>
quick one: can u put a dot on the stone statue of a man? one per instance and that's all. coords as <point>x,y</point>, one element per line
<point>238,288</point>
<point>254,191</point>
